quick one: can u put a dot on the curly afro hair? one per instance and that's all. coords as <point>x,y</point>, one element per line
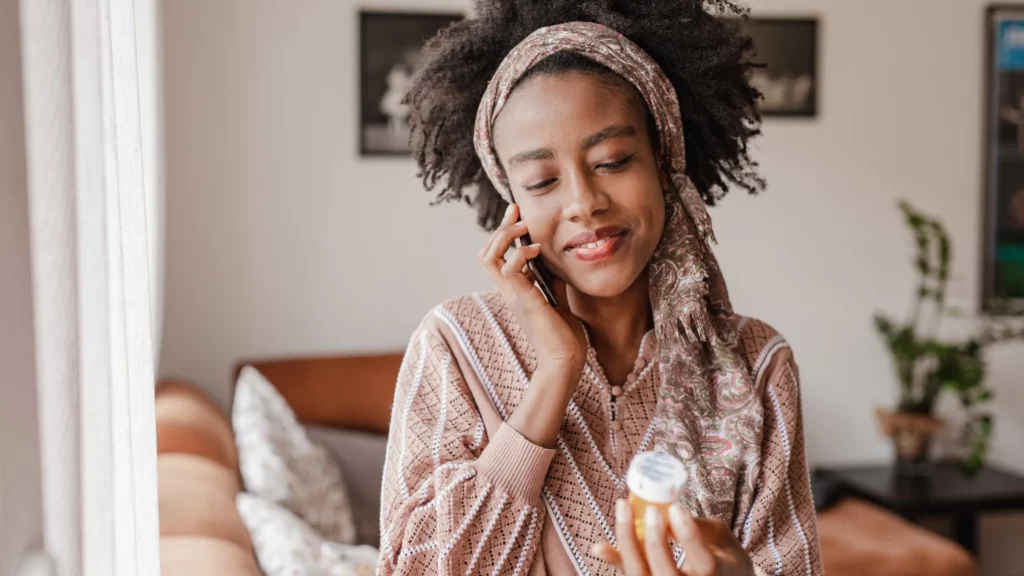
<point>699,46</point>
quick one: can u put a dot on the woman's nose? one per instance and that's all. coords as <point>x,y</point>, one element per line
<point>585,198</point>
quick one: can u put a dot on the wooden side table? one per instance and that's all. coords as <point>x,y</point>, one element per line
<point>943,491</point>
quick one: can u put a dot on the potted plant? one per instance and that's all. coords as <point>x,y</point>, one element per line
<point>926,366</point>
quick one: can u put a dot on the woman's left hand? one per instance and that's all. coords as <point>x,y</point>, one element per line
<point>711,549</point>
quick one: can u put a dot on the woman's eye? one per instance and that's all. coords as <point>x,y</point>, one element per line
<point>617,163</point>
<point>540,185</point>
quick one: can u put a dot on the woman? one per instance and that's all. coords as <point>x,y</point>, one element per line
<point>514,420</point>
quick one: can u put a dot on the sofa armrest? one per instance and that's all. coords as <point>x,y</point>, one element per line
<point>861,539</point>
<point>188,422</point>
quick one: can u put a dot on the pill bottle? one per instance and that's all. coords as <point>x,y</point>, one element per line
<point>653,479</point>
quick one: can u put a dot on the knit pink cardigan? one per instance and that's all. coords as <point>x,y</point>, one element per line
<point>464,493</point>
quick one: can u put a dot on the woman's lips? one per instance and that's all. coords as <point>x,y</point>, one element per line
<point>599,250</point>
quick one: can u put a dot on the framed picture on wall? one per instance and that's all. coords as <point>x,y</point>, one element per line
<point>1004,166</point>
<point>789,48</point>
<point>389,54</point>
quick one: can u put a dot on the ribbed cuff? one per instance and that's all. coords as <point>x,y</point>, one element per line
<point>514,463</point>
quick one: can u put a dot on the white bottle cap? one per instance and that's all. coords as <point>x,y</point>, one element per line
<point>656,477</point>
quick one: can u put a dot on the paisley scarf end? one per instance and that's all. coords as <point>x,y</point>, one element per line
<point>698,329</point>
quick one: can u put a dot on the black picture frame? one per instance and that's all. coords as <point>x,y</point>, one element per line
<point>389,47</point>
<point>1003,182</point>
<point>789,48</point>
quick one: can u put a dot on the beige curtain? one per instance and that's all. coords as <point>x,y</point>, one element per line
<point>92,289</point>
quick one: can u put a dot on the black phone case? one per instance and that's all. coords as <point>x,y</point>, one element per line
<point>541,276</point>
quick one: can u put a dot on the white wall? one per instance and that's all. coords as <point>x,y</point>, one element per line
<point>281,240</point>
<point>20,497</point>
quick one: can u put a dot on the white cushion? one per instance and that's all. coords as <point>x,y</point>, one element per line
<point>287,546</point>
<point>280,464</point>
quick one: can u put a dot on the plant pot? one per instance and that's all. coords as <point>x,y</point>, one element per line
<point>911,435</point>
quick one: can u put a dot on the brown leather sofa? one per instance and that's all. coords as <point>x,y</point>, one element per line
<point>201,532</point>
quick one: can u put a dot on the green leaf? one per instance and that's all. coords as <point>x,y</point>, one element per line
<point>972,347</point>
<point>979,430</point>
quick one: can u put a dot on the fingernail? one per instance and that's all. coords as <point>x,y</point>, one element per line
<point>653,517</point>
<point>675,513</point>
<point>535,245</point>
<point>508,210</point>
<point>621,509</point>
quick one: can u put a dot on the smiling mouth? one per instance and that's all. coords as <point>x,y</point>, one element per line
<point>598,244</point>
<point>594,239</point>
<point>598,250</point>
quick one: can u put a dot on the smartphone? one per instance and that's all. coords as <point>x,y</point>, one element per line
<point>541,276</point>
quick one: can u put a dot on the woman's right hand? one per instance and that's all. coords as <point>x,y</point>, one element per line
<point>556,335</point>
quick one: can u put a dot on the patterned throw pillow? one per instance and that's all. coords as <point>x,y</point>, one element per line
<point>280,464</point>
<point>287,546</point>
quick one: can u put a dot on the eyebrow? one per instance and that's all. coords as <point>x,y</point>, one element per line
<point>606,134</point>
<point>539,154</point>
<point>588,143</point>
